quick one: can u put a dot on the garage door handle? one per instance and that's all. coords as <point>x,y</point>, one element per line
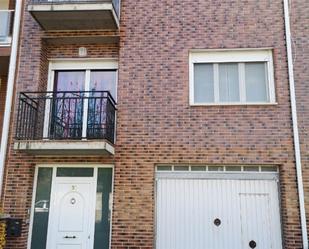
<point>252,244</point>
<point>69,237</point>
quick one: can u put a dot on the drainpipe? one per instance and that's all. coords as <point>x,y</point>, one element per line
<point>10,89</point>
<point>295,125</point>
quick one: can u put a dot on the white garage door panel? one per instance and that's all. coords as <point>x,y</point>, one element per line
<point>187,208</point>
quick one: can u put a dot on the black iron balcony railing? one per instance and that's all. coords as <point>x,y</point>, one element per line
<point>66,115</point>
<point>6,25</point>
<point>116,3</point>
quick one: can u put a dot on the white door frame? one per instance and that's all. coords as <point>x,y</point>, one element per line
<point>54,169</point>
<point>76,64</point>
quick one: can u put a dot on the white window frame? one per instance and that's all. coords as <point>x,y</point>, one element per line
<point>240,56</point>
<point>76,64</point>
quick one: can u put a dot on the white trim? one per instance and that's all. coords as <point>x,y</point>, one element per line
<point>235,104</point>
<point>221,168</point>
<point>198,50</point>
<point>50,83</point>
<point>271,79</point>
<point>230,56</point>
<point>10,90</point>
<point>218,175</point>
<point>242,83</point>
<point>54,167</point>
<point>216,83</point>
<point>31,210</point>
<point>298,162</point>
<point>239,56</point>
<point>86,100</point>
<point>84,64</point>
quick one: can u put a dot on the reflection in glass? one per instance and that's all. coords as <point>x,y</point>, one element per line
<point>41,209</point>
<point>103,211</point>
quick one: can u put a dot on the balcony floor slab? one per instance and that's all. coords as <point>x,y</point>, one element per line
<point>92,16</point>
<point>65,147</point>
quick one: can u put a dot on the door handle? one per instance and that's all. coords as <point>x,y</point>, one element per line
<point>69,237</point>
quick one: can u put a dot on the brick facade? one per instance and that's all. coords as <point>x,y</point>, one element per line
<point>155,123</point>
<point>300,34</point>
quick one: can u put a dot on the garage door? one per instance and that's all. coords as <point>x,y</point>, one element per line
<point>197,210</point>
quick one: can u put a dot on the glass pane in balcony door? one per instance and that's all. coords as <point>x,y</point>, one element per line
<point>67,113</point>
<point>104,81</point>
<point>69,81</point>
<point>4,25</point>
<point>99,107</point>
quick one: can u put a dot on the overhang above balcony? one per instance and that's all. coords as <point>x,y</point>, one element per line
<point>64,15</point>
<point>65,148</point>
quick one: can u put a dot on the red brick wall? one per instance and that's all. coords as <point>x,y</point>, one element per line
<point>3,85</point>
<point>154,83</point>
<point>300,33</point>
<point>155,122</point>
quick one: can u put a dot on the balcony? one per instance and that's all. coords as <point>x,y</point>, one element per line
<point>76,14</point>
<point>6,27</point>
<point>66,123</point>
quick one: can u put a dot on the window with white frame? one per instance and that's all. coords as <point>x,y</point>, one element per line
<point>231,77</point>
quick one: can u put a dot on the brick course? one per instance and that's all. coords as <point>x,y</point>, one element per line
<point>300,32</point>
<point>155,122</point>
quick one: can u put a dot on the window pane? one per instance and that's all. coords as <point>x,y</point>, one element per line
<point>232,168</point>
<point>203,83</point>
<point>228,82</point>
<point>198,168</point>
<point>102,211</point>
<point>41,208</point>
<point>74,172</point>
<point>251,168</point>
<point>69,81</point>
<point>67,108</point>
<point>256,82</point>
<point>104,81</point>
<point>181,168</point>
<point>215,168</point>
<point>164,168</point>
<point>269,169</point>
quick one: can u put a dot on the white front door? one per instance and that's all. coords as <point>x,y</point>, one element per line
<point>71,223</point>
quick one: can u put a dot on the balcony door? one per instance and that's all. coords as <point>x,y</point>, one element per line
<point>80,102</point>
